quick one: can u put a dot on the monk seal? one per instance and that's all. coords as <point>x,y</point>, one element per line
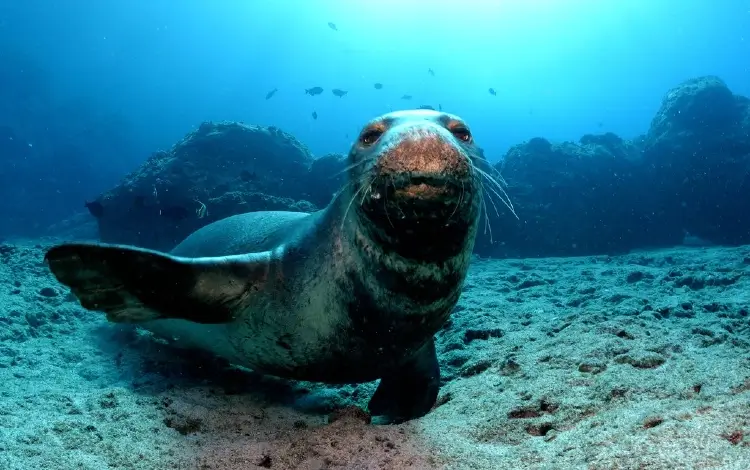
<point>352,293</point>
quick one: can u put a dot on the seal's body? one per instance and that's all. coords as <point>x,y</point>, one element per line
<point>352,293</point>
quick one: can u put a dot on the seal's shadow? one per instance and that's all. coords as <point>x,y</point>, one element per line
<point>151,366</point>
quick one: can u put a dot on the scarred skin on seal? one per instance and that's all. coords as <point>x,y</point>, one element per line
<point>352,293</point>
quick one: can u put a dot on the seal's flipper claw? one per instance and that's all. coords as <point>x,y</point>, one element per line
<point>410,391</point>
<point>134,285</point>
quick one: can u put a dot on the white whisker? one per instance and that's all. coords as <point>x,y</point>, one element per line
<point>460,200</point>
<point>506,199</point>
<point>343,219</point>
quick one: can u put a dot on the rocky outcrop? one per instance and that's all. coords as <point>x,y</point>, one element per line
<point>327,175</point>
<point>698,158</point>
<point>690,174</point>
<point>221,169</point>
<point>573,199</point>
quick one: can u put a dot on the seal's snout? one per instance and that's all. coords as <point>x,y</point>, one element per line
<point>422,162</point>
<point>424,155</point>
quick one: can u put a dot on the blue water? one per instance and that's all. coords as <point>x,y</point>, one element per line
<point>619,340</point>
<point>95,86</point>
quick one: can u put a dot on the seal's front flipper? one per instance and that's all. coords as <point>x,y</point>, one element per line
<point>411,390</point>
<point>134,285</point>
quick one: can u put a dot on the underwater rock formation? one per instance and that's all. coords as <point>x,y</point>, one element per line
<point>602,195</point>
<point>327,174</point>
<point>574,199</point>
<point>698,155</point>
<point>216,171</point>
<point>690,175</point>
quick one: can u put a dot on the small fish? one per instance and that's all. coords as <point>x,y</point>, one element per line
<point>431,72</point>
<point>270,94</point>
<point>315,115</point>
<point>406,97</point>
<point>247,176</point>
<point>314,91</point>
<point>332,26</point>
<point>426,106</point>
<point>378,86</point>
<point>95,208</point>
<point>493,92</point>
<point>600,124</point>
<point>339,92</point>
<point>440,107</point>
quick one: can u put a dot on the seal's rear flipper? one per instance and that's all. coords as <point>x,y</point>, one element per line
<point>410,391</point>
<point>134,285</point>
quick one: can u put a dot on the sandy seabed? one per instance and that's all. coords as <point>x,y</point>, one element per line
<point>639,361</point>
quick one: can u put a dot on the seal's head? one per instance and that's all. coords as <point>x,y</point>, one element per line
<point>415,185</point>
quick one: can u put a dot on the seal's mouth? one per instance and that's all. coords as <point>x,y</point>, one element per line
<point>417,197</point>
<point>420,216</point>
<point>427,187</point>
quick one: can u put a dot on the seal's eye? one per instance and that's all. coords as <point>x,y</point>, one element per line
<point>461,133</point>
<point>370,136</point>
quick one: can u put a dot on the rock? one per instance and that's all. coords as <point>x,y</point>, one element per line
<point>48,292</point>
<point>79,227</point>
<point>694,106</point>
<point>642,359</point>
<point>744,103</point>
<point>698,153</point>
<point>350,412</point>
<point>473,334</point>
<point>689,175</point>
<point>216,171</point>
<point>327,175</point>
<point>575,199</point>
<point>592,367</point>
